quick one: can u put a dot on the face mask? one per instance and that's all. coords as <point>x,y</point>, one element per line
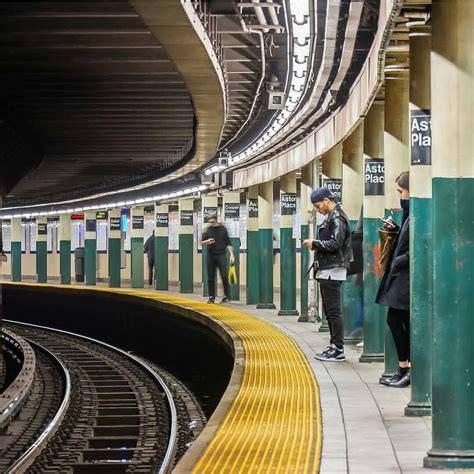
<point>405,204</point>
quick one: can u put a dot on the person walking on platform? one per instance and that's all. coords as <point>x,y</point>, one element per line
<point>149,249</point>
<point>394,290</point>
<point>333,253</point>
<point>218,241</point>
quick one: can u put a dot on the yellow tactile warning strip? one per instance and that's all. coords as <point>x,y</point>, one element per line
<point>274,423</point>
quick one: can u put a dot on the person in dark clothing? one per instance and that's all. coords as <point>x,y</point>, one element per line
<point>149,249</point>
<point>218,241</point>
<point>394,290</point>
<point>333,253</point>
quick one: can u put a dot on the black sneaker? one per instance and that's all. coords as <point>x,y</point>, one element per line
<point>393,378</point>
<point>225,300</point>
<point>331,354</point>
<point>211,301</point>
<point>402,382</point>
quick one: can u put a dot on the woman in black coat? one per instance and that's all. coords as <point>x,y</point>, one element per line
<point>394,290</point>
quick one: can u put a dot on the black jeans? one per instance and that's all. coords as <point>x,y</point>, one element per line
<point>150,272</point>
<point>398,321</point>
<point>213,262</point>
<point>331,296</point>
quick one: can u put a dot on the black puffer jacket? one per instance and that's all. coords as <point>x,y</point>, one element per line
<point>333,245</point>
<point>394,290</point>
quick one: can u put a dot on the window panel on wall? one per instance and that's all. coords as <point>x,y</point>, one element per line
<point>101,230</point>
<point>6,236</point>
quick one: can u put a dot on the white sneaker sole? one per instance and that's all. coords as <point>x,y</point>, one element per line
<point>323,359</point>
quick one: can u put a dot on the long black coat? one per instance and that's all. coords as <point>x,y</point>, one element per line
<point>394,289</point>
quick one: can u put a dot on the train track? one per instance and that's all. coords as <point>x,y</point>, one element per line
<point>120,416</point>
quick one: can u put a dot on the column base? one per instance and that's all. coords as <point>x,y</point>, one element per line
<point>186,291</point>
<point>266,306</point>
<point>304,318</point>
<point>352,340</point>
<point>418,409</point>
<point>444,459</point>
<point>375,357</point>
<point>288,312</point>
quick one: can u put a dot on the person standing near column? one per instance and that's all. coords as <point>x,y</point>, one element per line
<point>149,249</point>
<point>332,257</point>
<point>218,241</point>
<point>394,290</point>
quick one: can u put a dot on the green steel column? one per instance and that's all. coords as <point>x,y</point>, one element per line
<point>352,192</point>
<point>373,204</point>
<point>41,250</point>
<point>232,222</point>
<point>136,247</point>
<point>161,246</point>
<point>305,192</point>
<point>186,248</point>
<point>452,78</point>
<point>209,207</point>
<point>287,246</point>
<point>65,248</point>
<point>253,256</point>
<point>421,229</point>
<point>16,248</point>
<point>90,248</point>
<point>396,140</point>
<point>114,248</point>
<point>265,235</point>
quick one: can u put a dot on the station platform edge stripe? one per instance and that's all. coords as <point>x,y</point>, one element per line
<point>274,423</point>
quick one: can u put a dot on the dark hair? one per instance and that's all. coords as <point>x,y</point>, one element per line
<point>403,180</point>
<point>211,216</point>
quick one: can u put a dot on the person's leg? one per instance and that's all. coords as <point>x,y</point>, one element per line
<point>150,272</point>
<point>332,295</point>
<point>323,288</point>
<point>211,276</point>
<point>222,263</point>
<point>399,323</point>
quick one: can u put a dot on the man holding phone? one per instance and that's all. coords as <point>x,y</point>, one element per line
<point>333,253</point>
<point>218,241</point>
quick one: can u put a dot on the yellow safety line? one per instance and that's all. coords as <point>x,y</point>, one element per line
<point>274,423</point>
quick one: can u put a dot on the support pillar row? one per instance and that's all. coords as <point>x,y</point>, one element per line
<point>232,222</point>
<point>186,250</point>
<point>41,250</point>
<point>65,248</point>
<point>161,246</point>
<point>16,248</point>
<point>115,248</point>
<point>253,255</point>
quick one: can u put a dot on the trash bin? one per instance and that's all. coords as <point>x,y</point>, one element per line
<point>79,263</point>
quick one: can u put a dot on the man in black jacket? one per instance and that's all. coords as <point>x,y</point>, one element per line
<point>149,249</point>
<point>332,258</point>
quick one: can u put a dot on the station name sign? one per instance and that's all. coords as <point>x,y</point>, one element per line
<point>161,219</point>
<point>420,136</point>
<point>335,186</point>
<point>288,204</point>
<point>186,217</point>
<point>114,223</point>
<point>374,177</point>
<point>253,208</point>
<point>137,222</point>
<point>208,211</point>
<point>232,211</point>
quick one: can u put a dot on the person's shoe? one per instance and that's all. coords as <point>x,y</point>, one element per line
<point>331,354</point>
<point>211,301</point>
<point>393,378</point>
<point>225,300</point>
<point>403,381</point>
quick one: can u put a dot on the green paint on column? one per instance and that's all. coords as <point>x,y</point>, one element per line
<point>253,265</point>
<point>41,262</point>
<point>352,305</point>
<point>453,325</point>
<point>287,273</point>
<point>374,314</point>
<point>265,300</point>
<point>304,279</point>
<point>421,287</point>
<point>65,261</point>
<point>161,263</point>
<point>136,246</point>
<point>114,263</point>
<point>90,261</point>
<point>16,261</point>
<point>186,263</point>
<point>235,289</point>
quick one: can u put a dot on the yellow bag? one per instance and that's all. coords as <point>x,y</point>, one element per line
<point>232,276</point>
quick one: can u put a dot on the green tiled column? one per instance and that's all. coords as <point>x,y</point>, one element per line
<point>16,248</point>
<point>232,222</point>
<point>209,207</point>
<point>396,141</point>
<point>253,255</point>
<point>306,182</point>
<point>265,234</point>
<point>136,246</point>
<point>452,79</point>
<point>287,246</point>
<point>161,246</point>
<point>421,228</point>
<point>41,250</point>
<point>114,248</point>
<point>374,206</point>
<point>352,194</point>
<point>186,247</point>
<point>90,248</point>
<point>65,248</point>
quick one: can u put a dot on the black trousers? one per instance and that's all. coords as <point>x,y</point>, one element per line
<point>213,262</point>
<point>150,272</point>
<point>398,321</point>
<point>331,296</point>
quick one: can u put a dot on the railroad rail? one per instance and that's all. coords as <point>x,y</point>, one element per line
<point>121,416</point>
